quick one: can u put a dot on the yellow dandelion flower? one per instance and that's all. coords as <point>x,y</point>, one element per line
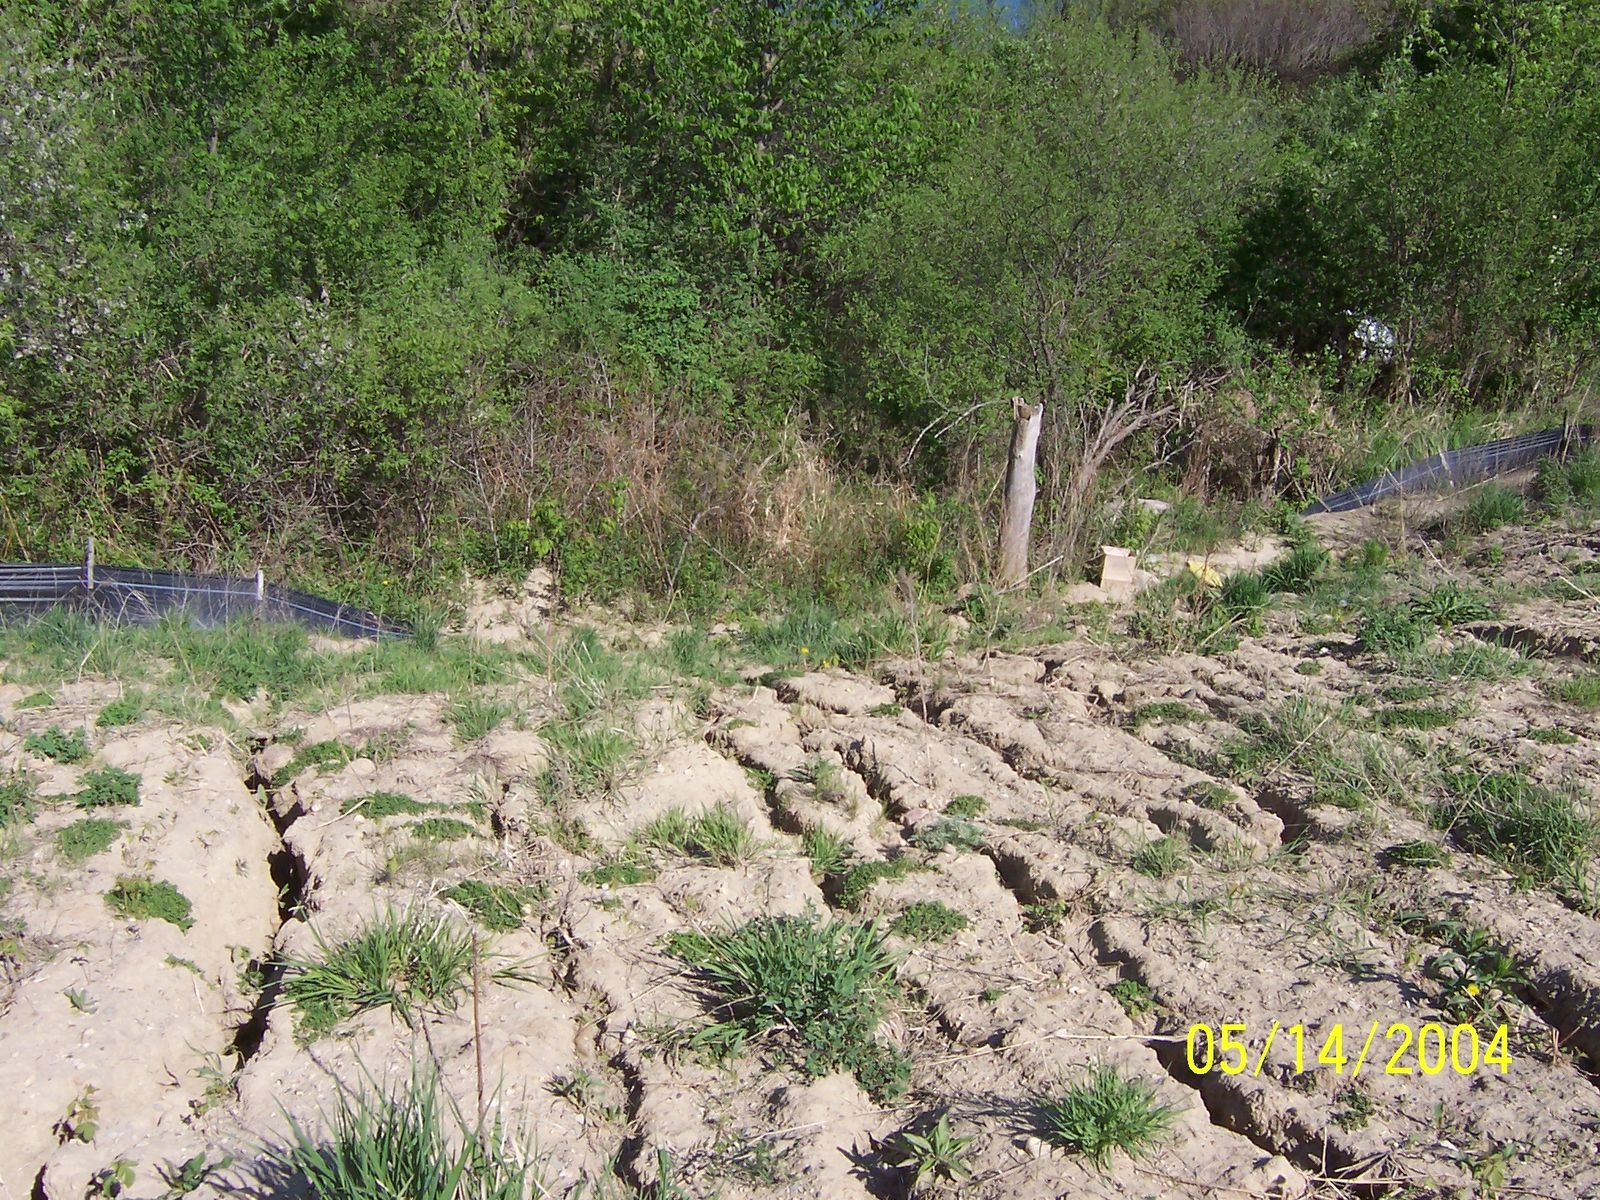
<point>805,649</point>
<point>1472,989</point>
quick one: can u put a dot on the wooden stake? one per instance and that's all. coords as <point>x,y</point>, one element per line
<point>1016,518</point>
<point>88,566</point>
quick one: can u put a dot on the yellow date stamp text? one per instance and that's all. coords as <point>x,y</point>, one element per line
<point>1400,1048</point>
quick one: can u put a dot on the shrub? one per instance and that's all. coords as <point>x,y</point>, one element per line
<point>1104,1114</point>
<point>143,899</point>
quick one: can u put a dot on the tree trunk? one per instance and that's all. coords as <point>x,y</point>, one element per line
<point>1016,518</point>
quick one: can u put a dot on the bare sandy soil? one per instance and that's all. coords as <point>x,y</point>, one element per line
<point>1119,886</point>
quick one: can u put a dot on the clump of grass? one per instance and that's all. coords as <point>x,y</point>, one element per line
<point>824,986</point>
<point>944,832</point>
<point>1427,716</point>
<point>108,787</point>
<point>1551,735</point>
<point>1160,858</point>
<point>476,716</point>
<point>1163,711</point>
<point>967,806</point>
<point>37,700</point>
<point>1134,995</point>
<point>1572,480</point>
<point>1492,507</point>
<point>1416,853</point>
<point>16,799</point>
<point>319,756</point>
<point>1394,631</point>
<point>141,898</point>
<point>1244,598</point>
<point>1207,794</point>
<point>587,762</point>
<point>719,835</point>
<point>1106,1113</point>
<point>928,921</point>
<point>399,960</point>
<point>496,906</point>
<point>59,745</point>
<point>411,1141</point>
<point>1538,832</point>
<point>441,829</point>
<point>860,879</point>
<point>84,839</point>
<point>621,872</point>
<point>1580,689</point>
<point>1297,570</point>
<point>829,853</point>
<point>376,806</point>
<point>825,779</point>
<point>1451,604</point>
<point>124,710</point>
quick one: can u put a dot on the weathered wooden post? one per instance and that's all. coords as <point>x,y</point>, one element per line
<point>88,566</point>
<point>1016,517</point>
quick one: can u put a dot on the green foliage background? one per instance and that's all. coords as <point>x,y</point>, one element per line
<point>697,297</point>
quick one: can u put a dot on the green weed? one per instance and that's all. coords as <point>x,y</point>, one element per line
<point>934,1157</point>
<point>622,872</point>
<point>59,745</point>
<point>829,853</point>
<point>124,710</point>
<point>860,879</point>
<point>1551,735</point>
<point>1355,1109</point>
<point>1135,997</point>
<point>1416,853</point>
<point>37,700</point>
<point>496,906</point>
<point>1160,858</point>
<point>412,1141</point>
<point>1451,604</point>
<point>84,839</point>
<point>967,806</point>
<point>1296,571</point>
<point>822,985</point>
<point>586,762</point>
<point>1536,831</point>
<point>140,898</point>
<point>477,716</point>
<point>1580,689</point>
<point>1207,794</point>
<point>319,756</point>
<point>928,921</point>
<point>1493,506</point>
<point>16,799</point>
<point>1104,1114</point>
<point>375,806</point>
<point>399,960</point>
<point>944,832</point>
<point>1163,711</point>
<point>441,829</point>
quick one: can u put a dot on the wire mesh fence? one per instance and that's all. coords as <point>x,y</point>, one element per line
<point>137,596</point>
<point>1452,468</point>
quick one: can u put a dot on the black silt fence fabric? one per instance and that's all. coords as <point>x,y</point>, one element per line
<point>122,594</point>
<point>1451,468</point>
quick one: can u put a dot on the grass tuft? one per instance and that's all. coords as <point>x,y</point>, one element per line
<point>411,1141</point>
<point>1580,689</point>
<point>477,716</point>
<point>860,879</point>
<point>84,839</point>
<point>928,921</point>
<point>59,745</point>
<point>399,960</point>
<point>124,710</point>
<point>823,985</point>
<point>1106,1113</point>
<point>495,906</point>
<point>378,805</point>
<point>1540,833</point>
<point>141,898</point>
